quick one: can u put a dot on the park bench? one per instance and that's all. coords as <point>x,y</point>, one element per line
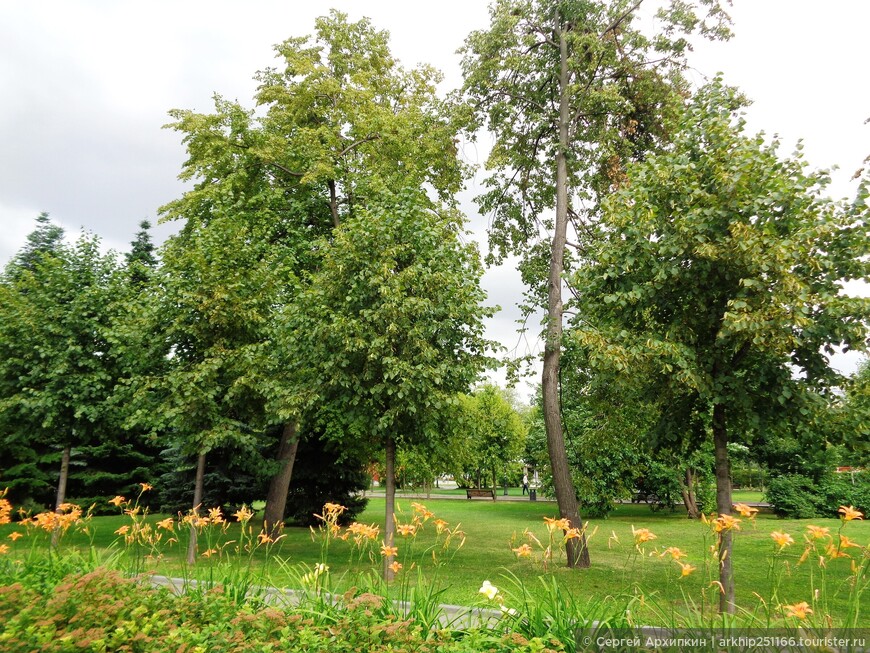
<point>480,493</point>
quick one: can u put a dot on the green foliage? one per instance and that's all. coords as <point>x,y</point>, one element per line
<point>58,365</point>
<point>495,436</point>
<point>721,263</point>
<point>346,120</point>
<point>101,611</point>
<point>141,259</point>
<point>45,240</point>
<point>853,418</point>
<point>389,328</point>
<point>325,471</point>
<point>798,497</point>
<point>235,475</point>
<point>621,88</point>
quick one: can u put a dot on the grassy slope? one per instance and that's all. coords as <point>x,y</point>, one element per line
<point>618,571</point>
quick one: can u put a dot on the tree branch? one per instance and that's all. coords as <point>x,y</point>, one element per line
<point>287,170</point>
<point>355,144</point>
<point>616,23</point>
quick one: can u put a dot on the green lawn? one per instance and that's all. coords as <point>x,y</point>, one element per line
<point>493,528</point>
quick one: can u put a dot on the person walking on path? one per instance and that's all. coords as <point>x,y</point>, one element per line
<point>525,483</point>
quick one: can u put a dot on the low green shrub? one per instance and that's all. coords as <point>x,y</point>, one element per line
<point>798,497</point>
<point>846,489</point>
<point>793,496</point>
<point>102,611</point>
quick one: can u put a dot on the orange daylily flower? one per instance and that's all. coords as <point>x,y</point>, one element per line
<point>675,552</point>
<point>573,534</point>
<point>818,532</point>
<point>4,548</point>
<point>686,568</point>
<point>387,551</point>
<point>396,566</point>
<point>332,511</point>
<point>846,543</point>
<point>782,539</point>
<point>799,610</point>
<point>642,535</point>
<point>5,508</point>
<point>523,551</point>
<point>406,529</point>
<point>146,487</point>
<point>726,523</point>
<point>363,531</point>
<point>167,524</point>
<point>215,516</point>
<point>123,530</point>
<point>745,510</point>
<point>117,501</point>
<point>243,514</point>
<point>554,524</point>
<point>15,535</point>
<point>423,511</point>
<point>848,513</point>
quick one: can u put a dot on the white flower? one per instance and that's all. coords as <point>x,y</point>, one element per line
<point>489,590</point>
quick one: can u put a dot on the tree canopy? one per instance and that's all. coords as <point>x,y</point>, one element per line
<point>719,267</point>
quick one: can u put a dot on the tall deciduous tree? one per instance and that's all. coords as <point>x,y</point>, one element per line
<point>219,285</point>
<point>57,370</point>
<point>722,265</point>
<point>340,123</point>
<point>570,91</point>
<point>389,328</point>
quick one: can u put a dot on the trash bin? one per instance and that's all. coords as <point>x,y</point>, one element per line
<point>533,494</point>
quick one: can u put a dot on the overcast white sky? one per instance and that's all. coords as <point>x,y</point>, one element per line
<point>86,86</point>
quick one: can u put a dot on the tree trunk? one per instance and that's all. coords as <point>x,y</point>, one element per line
<point>276,499</point>
<point>333,204</point>
<point>723,507</point>
<point>61,490</point>
<point>566,495</point>
<point>688,490</point>
<point>197,500</point>
<point>389,521</point>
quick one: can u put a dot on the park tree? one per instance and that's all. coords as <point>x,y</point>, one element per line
<point>720,264</point>
<point>389,328</point>
<point>496,432</point>
<point>570,91</point>
<point>339,122</point>
<point>57,368</point>
<point>219,284</point>
<point>45,240</point>
<point>116,465</point>
<point>141,260</point>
